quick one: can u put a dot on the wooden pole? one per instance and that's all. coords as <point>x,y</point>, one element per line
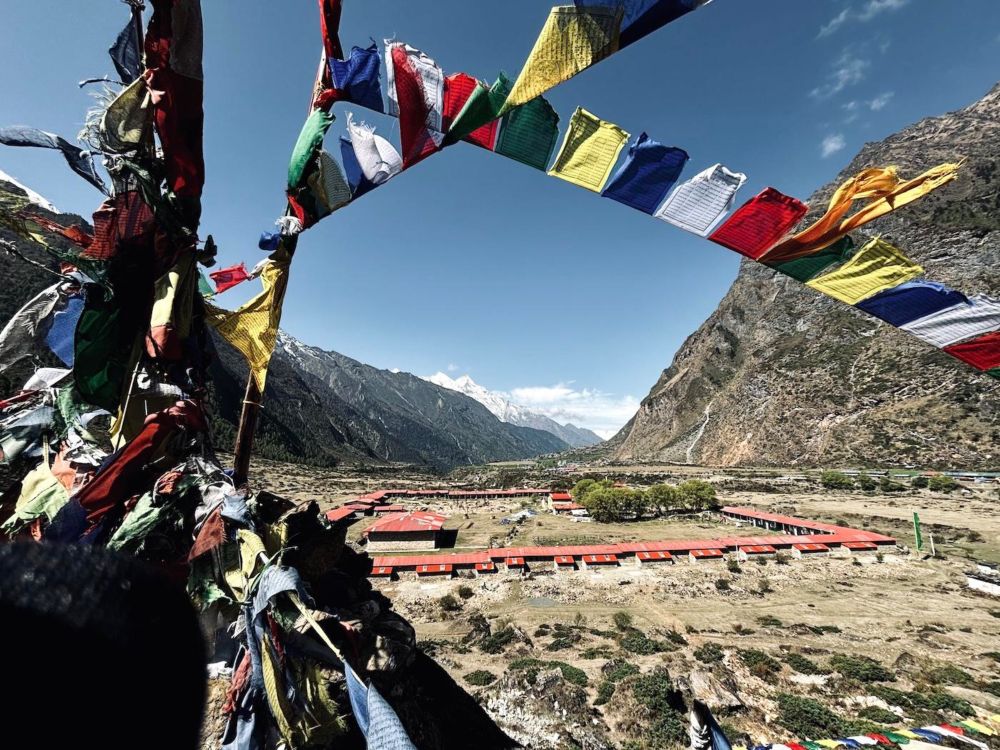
<point>245,434</point>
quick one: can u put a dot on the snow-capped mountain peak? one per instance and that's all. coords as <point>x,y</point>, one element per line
<point>36,198</point>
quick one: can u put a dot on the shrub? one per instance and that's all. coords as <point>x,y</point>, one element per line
<point>722,584</point>
<point>880,715</point>
<point>674,637</point>
<point>561,643</point>
<point>449,603</point>
<point>572,675</point>
<point>740,629</point>
<point>733,566</point>
<point>992,687</point>
<point>887,485</point>
<point>866,483</point>
<point>760,560</point>
<point>599,652</point>
<point>604,692</point>
<point>806,717</point>
<point>709,653</point>
<point>496,642</point>
<point>531,668</point>
<point>764,586</point>
<point>861,668</point>
<point>949,674</point>
<point>836,480</point>
<point>942,484</point>
<point>802,665</point>
<point>919,482</point>
<point>994,655</point>
<point>618,669</point>
<point>823,629</point>
<point>782,558</point>
<point>639,643</point>
<point>622,620</point>
<point>466,592</point>
<point>760,663</point>
<point>480,678</point>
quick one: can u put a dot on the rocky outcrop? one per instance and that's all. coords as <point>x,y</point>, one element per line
<point>781,375</point>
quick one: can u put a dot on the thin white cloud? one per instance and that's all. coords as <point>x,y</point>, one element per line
<point>832,144</point>
<point>847,70</point>
<point>604,413</point>
<point>452,367</point>
<point>881,101</point>
<point>869,10</point>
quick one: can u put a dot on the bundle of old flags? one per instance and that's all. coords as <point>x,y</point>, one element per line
<point>966,733</point>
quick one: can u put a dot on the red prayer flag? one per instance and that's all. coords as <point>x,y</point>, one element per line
<point>414,135</point>
<point>760,223</point>
<point>227,278</point>
<point>983,353</point>
<point>457,90</point>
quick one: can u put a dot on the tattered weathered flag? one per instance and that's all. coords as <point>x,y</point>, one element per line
<point>173,305</point>
<point>480,111</point>
<point>458,91</point>
<point>329,23</point>
<point>810,266</point>
<point>571,40</point>
<point>643,17</point>
<point>882,190</point>
<point>589,151</point>
<point>328,185</point>
<point>174,76</point>
<point>378,159</point>
<point>983,352</point>
<point>227,278</point>
<point>431,81</point>
<point>126,121</point>
<point>376,719</point>
<point>253,328</point>
<point>22,336</point>
<point>79,160</point>
<point>417,90</point>
<point>759,223</point>
<point>647,174</point>
<point>356,179</point>
<point>42,496</point>
<point>61,335</point>
<point>907,302</point>
<point>528,133</point>
<point>876,267</point>
<point>308,146</point>
<point>125,53</point>
<point>358,78</point>
<point>699,204</point>
<point>966,320</point>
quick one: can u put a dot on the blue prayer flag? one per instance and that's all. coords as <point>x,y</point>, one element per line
<point>643,17</point>
<point>908,302</point>
<point>62,333</point>
<point>649,171</point>
<point>357,78</point>
<point>352,170</point>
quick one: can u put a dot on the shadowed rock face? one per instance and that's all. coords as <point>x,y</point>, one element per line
<point>781,375</point>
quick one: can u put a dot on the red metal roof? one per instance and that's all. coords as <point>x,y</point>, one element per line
<point>860,545</point>
<point>759,549</point>
<point>360,507</point>
<point>567,506</point>
<point>433,569</point>
<point>654,556</point>
<point>407,522</point>
<point>381,571</point>
<point>600,559</point>
<point>564,560</point>
<point>811,547</point>
<point>706,553</point>
<point>514,562</point>
<point>485,566</point>
<point>778,518</point>
<point>389,508</point>
<point>339,514</point>
<point>560,497</point>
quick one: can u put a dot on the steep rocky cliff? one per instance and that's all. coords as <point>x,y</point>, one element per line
<point>782,375</point>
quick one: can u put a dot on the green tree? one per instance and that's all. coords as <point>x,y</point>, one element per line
<point>695,494</point>
<point>662,497</point>
<point>919,482</point>
<point>603,504</point>
<point>942,484</point>
<point>866,483</point>
<point>836,480</point>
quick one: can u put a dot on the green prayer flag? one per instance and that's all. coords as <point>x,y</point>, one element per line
<point>102,350</point>
<point>806,268</point>
<point>205,288</point>
<point>528,133</point>
<point>916,532</point>
<point>308,146</point>
<point>994,373</point>
<point>480,108</point>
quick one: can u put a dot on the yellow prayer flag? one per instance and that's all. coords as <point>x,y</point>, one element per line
<point>572,40</point>
<point>876,267</point>
<point>589,151</point>
<point>832,744</point>
<point>253,328</point>
<point>977,727</point>
<point>885,193</point>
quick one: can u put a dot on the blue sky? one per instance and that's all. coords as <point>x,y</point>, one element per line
<point>471,263</point>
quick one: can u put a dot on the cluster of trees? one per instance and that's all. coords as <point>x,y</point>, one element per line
<point>606,502</point>
<point>837,480</point>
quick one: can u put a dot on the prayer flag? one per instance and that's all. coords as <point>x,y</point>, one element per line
<point>571,40</point>
<point>63,331</point>
<point>907,302</point>
<point>647,175</point>
<point>356,179</point>
<point>21,337</point>
<point>966,320</point>
<point>79,161</point>
<point>918,537</point>
<point>809,266</point>
<point>643,17</point>
<point>378,159</point>
<point>458,91</point>
<point>418,84</point>
<point>759,223</point>
<point>877,266</point>
<point>528,133</point>
<point>480,110</point>
<point>125,53</point>
<point>358,78</point>
<point>126,121</point>
<point>328,185</point>
<point>699,204</point>
<point>173,303</point>
<point>253,328</point>
<point>884,193</point>
<point>983,352</point>
<point>309,142</point>
<point>227,278</point>
<point>329,23</point>
<point>589,151</point>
